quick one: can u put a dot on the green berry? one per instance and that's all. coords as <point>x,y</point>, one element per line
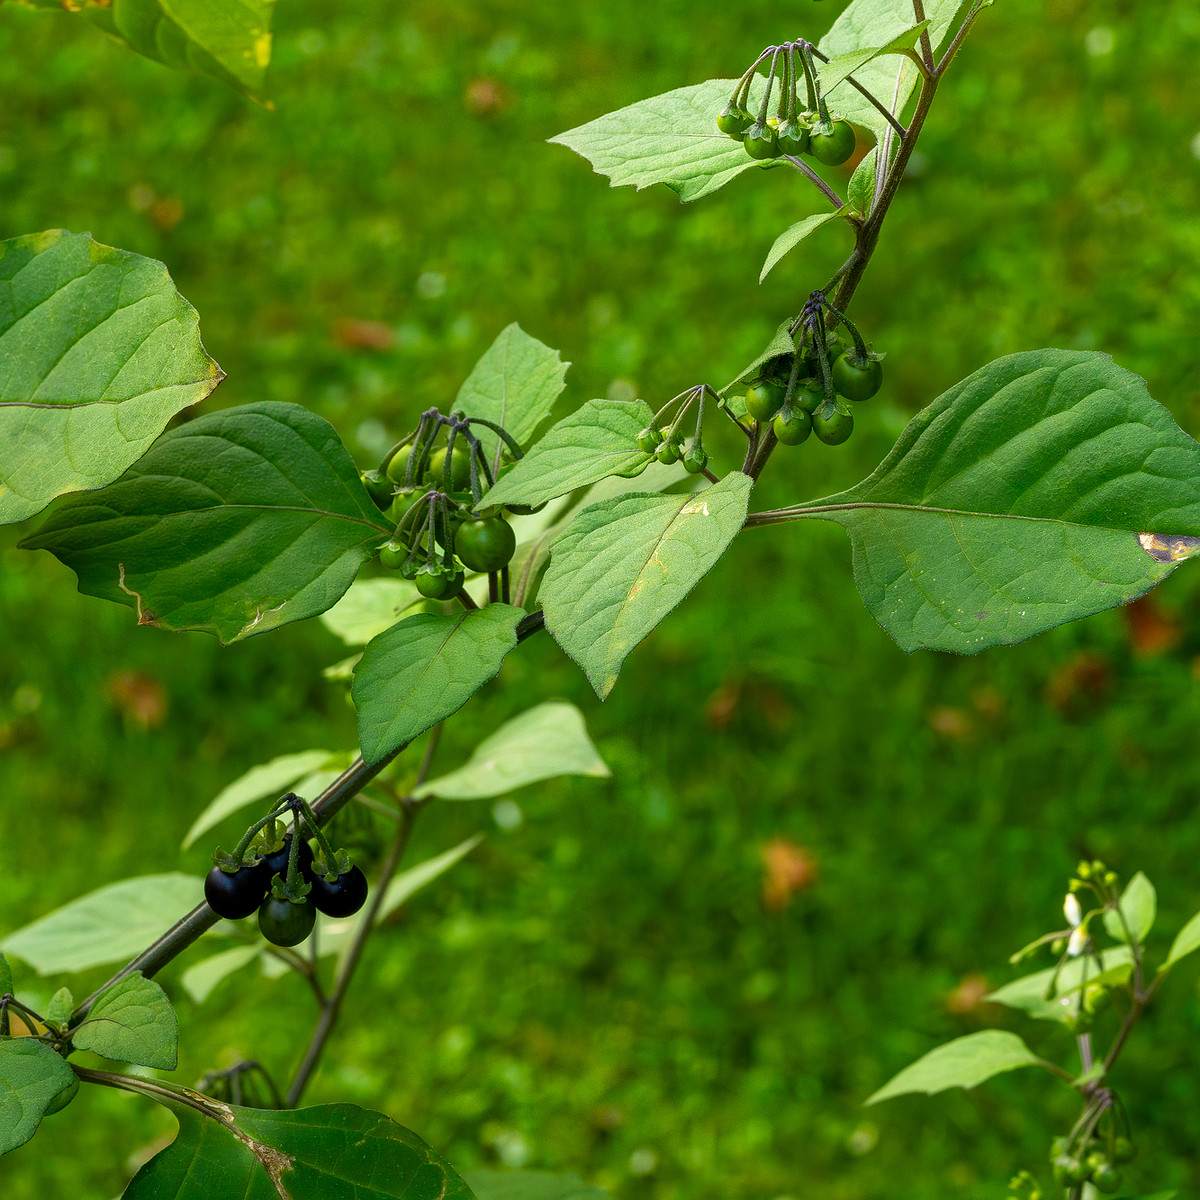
<point>832,426</point>
<point>649,439</point>
<point>832,144</point>
<point>793,139</point>
<point>794,428</point>
<point>695,460</point>
<point>761,141</point>
<point>733,120</point>
<point>764,400</point>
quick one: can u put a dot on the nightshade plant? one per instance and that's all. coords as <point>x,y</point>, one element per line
<point>1047,486</point>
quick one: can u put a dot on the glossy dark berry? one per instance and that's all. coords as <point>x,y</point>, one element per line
<point>236,895</point>
<point>277,860</point>
<point>341,898</point>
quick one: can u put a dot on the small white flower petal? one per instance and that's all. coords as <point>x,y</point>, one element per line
<point>1075,946</point>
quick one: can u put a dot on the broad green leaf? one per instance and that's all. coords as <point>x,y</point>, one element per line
<point>671,139</point>
<point>333,936</point>
<point>890,80</point>
<point>965,1062</point>
<point>1045,487</point>
<point>369,607</point>
<point>259,783</point>
<point>61,1005</point>
<point>833,72</point>
<point>548,740</point>
<point>108,925</point>
<point>781,343</point>
<point>424,669</point>
<point>98,351</point>
<point>333,1151</point>
<point>202,978</point>
<point>1187,940</point>
<point>132,1021</point>
<point>6,978</point>
<point>791,237</point>
<point>514,384</point>
<point>861,191</point>
<point>32,1078</point>
<point>1139,906</point>
<point>1029,992</point>
<point>623,564</point>
<point>530,1185</point>
<point>235,523</point>
<point>228,39</point>
<point>597,440</point>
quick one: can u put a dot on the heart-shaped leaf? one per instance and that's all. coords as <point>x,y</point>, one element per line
<point>132,1021</point>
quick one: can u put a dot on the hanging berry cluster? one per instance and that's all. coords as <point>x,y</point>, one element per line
<point>276,874</point>
<point>788,132</point>
<point>429,485</point>
<point>805,392</point>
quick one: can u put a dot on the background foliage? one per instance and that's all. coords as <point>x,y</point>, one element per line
<point>607,988</point>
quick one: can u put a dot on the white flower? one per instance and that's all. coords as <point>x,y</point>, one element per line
<point>1071,910</point>
<point>1078,941</point>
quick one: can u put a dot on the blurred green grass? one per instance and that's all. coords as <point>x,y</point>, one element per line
<point>605,980</point>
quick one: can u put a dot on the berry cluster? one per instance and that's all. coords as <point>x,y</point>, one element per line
<point>805,392</point>
<point>789,132</point>
<point>430,489</point>
<point>1074,1163</point>
<point>276,874</point>
<point>666,444</point>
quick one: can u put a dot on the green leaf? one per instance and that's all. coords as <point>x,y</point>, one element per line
<point>791,237</point>
<point>235,523</point>
<point>861,191</point>
<point>623,564</point>
<point>548,740</point>
<point>201,979</point>
<point>530,1185</point>
<point>369,607</point>
<point>424,669</point>
<point>1139,906</point>
<point>228,39</point>
<point>671,139</point>
<point>58,1011</point>
<point>1029,992</point>
<point>98,351</point>
<point>334,1150</point>
<point>1187,941</point>
<point>965,1062</point>
<point>879,23</point>
<point>844,65</point>
<point>514,384</point>
<point>259,783</point>
<point>132,1021</point>
<point>781,343</point>
<point>109,925</point>
<point>32,1078</point>
<point>1045,487</point>
<point>597,440</point>
<point>6,977</point>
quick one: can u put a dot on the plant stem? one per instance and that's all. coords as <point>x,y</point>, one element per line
<point>815,180</point>
<point>926,44</point>
<point>332,1005</point>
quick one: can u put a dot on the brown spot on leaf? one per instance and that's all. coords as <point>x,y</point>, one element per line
<point>787,868</point>
<point>1165,548</point>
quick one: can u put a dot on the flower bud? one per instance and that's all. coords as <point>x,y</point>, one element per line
<point>1071,910</point>
<point>1077,942</point>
